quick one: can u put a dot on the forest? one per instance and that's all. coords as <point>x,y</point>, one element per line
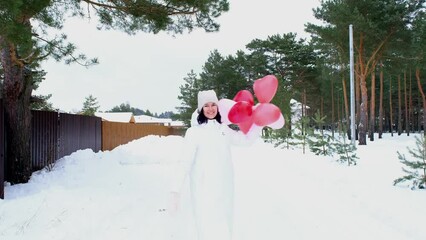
<point>389,40</point>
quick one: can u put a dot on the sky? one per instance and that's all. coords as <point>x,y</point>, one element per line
<point>279,194</point>
<point>146,70</point>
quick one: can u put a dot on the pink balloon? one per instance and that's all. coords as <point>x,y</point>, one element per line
<point>265,114</point>
<point>278,124</point>
<point>240,112</point>
<point>225,106</point>
<point>265,88</point>
<point>246,125</point>
<point>244,95</point>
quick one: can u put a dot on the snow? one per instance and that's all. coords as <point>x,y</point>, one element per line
<point>163,121</point>
<point>279,194</point>
<point>124,117</point>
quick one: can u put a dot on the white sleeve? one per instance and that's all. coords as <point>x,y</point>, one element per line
<point>240,139</point>
<point>186,159</point>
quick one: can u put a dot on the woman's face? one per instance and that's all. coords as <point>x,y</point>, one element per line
<point>210,110</point>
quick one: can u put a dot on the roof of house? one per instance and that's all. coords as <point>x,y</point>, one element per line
<point>177,124</point>
<point>296,105</point>
<point>150,119</point>
<point>125,117</point>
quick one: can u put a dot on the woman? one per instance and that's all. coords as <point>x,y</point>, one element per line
<point>207,160</point>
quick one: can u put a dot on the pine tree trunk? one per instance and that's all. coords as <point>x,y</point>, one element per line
<point>371,126</point>
<point>17,88</point>
<point>410,104</point>
<point>345,99</point>
<point>385,120</point>
<point>399,107</point>
<point>304,127</point>
<point>419,84</point>
<point>381,103</point>
<point>363,118</point>
<point>332,107</point>
<point>363,114</point>
<point>338,112</point>
<point>419,116</point>
<point>390,108</point>
<point>406,105</point>
<point>357,101</point>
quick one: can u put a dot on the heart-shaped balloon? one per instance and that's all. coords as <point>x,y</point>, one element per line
<point>265,114</point>
<point>244,95</point>
<point>265,88</point>
<point>240,112</point>
<point>246,125</point>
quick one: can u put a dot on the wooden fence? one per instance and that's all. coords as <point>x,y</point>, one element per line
<point>116,133</point>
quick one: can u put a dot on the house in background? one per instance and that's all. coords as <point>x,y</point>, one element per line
<point>128,117</point>
<point>296,110</point>
<point>124,117</point>
<point>145,119</point>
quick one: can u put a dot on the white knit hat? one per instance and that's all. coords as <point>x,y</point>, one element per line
<point>205,97</point>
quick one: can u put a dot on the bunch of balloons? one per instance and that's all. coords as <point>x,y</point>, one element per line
<point>249,117</point>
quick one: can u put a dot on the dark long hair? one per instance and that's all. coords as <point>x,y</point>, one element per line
<point>203,119</point>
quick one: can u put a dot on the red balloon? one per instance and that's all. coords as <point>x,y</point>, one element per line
<point>265,88</point>
<point>246,125</point>
<point>244,95</point>
<point>240,112</point>
<point>265,114</point>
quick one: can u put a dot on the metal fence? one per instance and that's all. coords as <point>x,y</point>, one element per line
<point>53,136</point>
<point>44,137</point>
<point>79,132</point>
<point>2,152</point>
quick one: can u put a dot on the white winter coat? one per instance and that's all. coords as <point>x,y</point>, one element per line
<point>206,159</point>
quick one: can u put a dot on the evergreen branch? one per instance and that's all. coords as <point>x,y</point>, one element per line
<point>103,5</point>
<point>64,52</point>
<point>150,9</point>
<point>403,179</point>
<point>33,56</point>
<point>414,166</point>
